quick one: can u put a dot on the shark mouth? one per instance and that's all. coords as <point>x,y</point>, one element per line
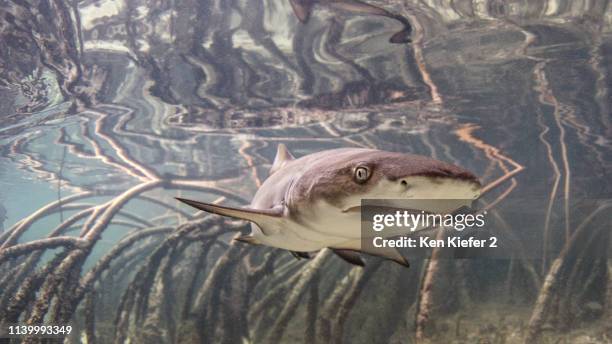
<point>382,209</point>
<point>353,209</point>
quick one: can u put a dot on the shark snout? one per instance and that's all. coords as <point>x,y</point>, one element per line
<point>404,185</point>
<point>428,187</point>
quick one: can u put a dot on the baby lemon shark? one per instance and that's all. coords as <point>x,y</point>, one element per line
<point>313,202</point>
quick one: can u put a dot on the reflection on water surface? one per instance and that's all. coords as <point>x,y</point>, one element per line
<point>131,103</point>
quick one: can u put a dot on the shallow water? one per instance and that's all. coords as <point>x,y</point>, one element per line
<point>110,96</point>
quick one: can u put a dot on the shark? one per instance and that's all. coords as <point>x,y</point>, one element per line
<point>314,202</point>
<point>303,8</point>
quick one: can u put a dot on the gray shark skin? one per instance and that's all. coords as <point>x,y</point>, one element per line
<point>313,202</point>
<point>303,9</point>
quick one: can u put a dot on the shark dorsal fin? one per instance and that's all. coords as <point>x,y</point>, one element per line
<point>282,157</point>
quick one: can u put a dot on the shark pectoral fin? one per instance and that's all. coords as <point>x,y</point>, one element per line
<point>248,239</point>
<point>260,216</point>
<point>395,256</point>
<point>302,9</point>
<point>349,256</point>
<point>386,252</point>
<point>299,255</point>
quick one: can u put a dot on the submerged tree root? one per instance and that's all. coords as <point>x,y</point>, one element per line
<point>549,288</point>
<point>42,244</point>
<point>137,296</point>
<point>306,278</point>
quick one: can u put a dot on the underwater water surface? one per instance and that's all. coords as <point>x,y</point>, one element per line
<point>110,109</point>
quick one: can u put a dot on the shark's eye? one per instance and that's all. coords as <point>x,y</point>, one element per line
<point>362,174</point>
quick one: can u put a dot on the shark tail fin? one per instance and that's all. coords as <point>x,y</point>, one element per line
<point>258,216</point>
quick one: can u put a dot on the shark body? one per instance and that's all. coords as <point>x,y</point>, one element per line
<point>313,202</point>
<point>303,9</point>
